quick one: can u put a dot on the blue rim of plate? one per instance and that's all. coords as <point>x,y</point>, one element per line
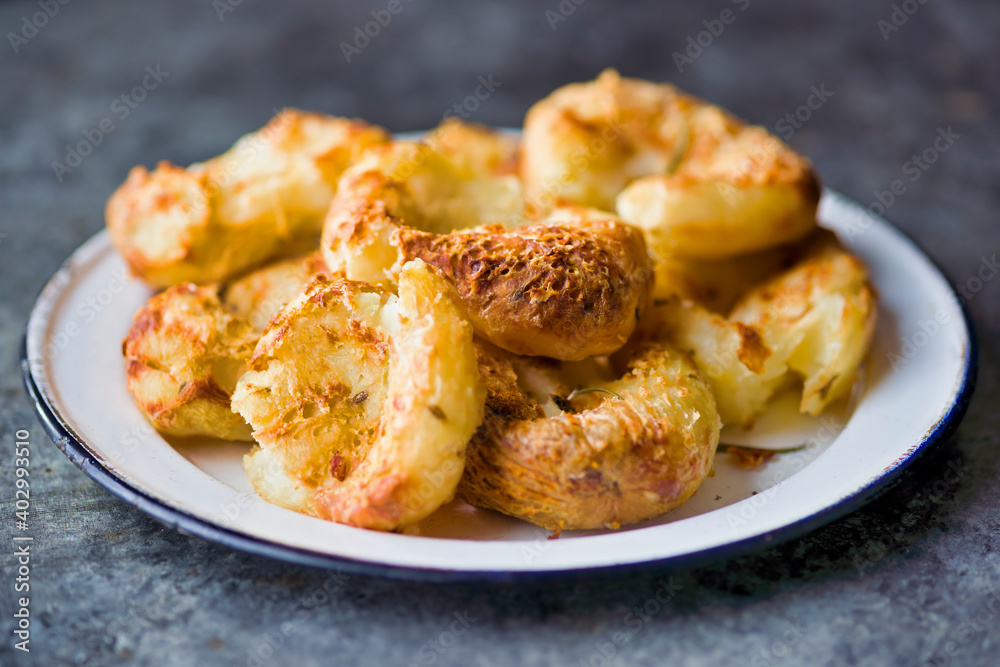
<point>64,438</point>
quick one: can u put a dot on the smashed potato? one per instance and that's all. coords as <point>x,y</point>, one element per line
<point>183,356</point>
<point>264,197</point>
<point>743,371</point>
<point>698,181</point>
<point>566,290</point>
<point>411,184</point>
<point>259,295</point>
<point>820,314</point>
<point>815,321</point>
<point>553,326</point>
<point>718,285</point>
<point>362,402</point>
<point>475,150</point>
<point>628,450</point>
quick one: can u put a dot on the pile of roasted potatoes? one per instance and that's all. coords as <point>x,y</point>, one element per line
<point>554,325</point>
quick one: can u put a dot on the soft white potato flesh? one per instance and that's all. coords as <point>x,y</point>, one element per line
<point>363,402</point>
<point>820,315</point>
<point>813,321</point>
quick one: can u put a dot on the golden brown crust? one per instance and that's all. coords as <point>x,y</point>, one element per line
<point>260,294</point>
<point>821,314</point>
<point>700,182</point>
<point>568,290</point>
<point>183,356</point>
<point>619,460</point>
<point>474,148</point>
<point>717,285</point>
<point>413,184</point>
<point>264,197</point>
<point>814,320</point>
<point>363,403</point>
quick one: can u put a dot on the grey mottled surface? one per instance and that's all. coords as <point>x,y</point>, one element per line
<point>906,580</point>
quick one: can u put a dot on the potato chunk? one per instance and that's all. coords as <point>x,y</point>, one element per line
<point>412,184</point>
<point>363,402</point>
<point>183,356</point>
<point>813,321</point>
<point>635,449</point>
<point>259,295</point>
<point>568,289</point>
<point>264,197</point>
<point>698,181</point>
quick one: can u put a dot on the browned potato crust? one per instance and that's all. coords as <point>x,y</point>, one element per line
<point>566,290</point>
<point>259,295</point>
<point>698,181</point>
<point>718,284</point>
<point>183,356</point>
<point>821,315</point>
<point>812,321</point>
<point>363,402</point>
<point>475,149</point>
<point>264,197</point>
<point>437,185</point>
<point>620,459</point>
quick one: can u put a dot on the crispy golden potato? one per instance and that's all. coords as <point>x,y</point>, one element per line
<point>363,403</point>
<point>698,181</point>
<point>635,450</point>
<point>814,320</point>
<point>475,150</point>
<point>820,315</point>
<point>718,284</point>
<point>743,371</point>
<point>410,184</point>
<point>565,290</point>
<point>259,295</point>
<point>266,196</point>
<point>183,356</point>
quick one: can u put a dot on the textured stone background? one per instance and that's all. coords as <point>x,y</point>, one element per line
<point>110,586</point>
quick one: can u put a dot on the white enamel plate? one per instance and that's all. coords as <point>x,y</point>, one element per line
<point>918,382</point>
